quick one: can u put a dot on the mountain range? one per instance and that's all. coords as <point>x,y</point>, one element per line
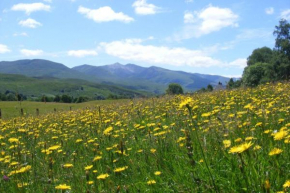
<point>130,76</point>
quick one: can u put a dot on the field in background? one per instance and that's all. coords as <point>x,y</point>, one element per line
<point>222,141</point>
<point>12,109</point>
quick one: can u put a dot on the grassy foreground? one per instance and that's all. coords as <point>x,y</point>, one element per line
<point>225,141</point>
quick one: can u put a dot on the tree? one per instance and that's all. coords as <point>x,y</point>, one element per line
<point>209,87</point>
<point>66,99</point>
<point>174,88</point>
<point>282,34</point>
<point>263,55</point>
<point>255,74</point>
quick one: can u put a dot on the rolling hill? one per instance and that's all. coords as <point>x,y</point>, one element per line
<point>130,76</point>
<point>34,87</point>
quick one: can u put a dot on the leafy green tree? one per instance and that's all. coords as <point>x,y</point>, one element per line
<point>209,87</point>
<point>282,34</point>
<point>263,55</point>
<point>174,88</point>
<point>255,74</point>
<point>66,99</point>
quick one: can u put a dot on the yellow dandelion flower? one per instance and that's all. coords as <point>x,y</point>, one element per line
<point>68,165</point>
<point>257,147</point>
<point>103,176</point>
<point>157,173</point>
<point>11,140</point>
<point>280,135</point>
<point>97,158</point>
<point>55,147</point>
<point>150,182</point>
<point>275,151</point>
<point>120,169</point>
<point>241,148</point>
<point>227,143</point>
<point>108,131</point>
<point>238,140</point>
<point>90,182</point>
<point>63,187</point>
<point>286,184</point>
<point>186,102</point>
<point>89,167</point>
<point>152,150</point>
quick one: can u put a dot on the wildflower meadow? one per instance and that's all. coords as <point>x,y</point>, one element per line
<point>222,141</point>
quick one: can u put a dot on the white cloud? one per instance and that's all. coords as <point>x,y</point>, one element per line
<point>188,18</point>
<point>286,14</point>
<point>20,34</point>
<point>206,21</point>
<point>104,14</point>
<point>29,8</point>
<point>143,8</point>
<point>26,52</point>
<point>134,50</point>
<point>240,63</point>
<point>82,53</point>
<point>4,49</point>
<point>31,23</point>
<point>49,1</point>
<point>269,10</point>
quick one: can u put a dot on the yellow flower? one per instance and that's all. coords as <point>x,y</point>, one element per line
<point>227,143</point>
<point>257,147</point>
<point>186,102</point>
<point>241,148</point>
<point>280,135</point>
<point>68,165</point>
<point>275,151</point>
<point>63,187</point>
<point>97,158</point>
<point>108,131</point>
<point>150,182</point>
<point>238,140</point>
<point>90,182</point>
<point>55,147</point>
<point>152,150</point>
<point>157,173</point>
<point>103,176</point>
<point>286,184</point>
<point>120,169</point>
<point>11,140</point>
<point>89,167</point>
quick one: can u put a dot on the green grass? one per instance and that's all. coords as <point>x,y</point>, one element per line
<point>12,109</point>
<point>223,141</point>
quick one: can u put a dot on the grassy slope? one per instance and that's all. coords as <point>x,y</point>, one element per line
<point>53,86</point>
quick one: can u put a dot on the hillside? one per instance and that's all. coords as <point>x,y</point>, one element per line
<point>130,76</point>
<point>49,86</point>
<point>137,77</point>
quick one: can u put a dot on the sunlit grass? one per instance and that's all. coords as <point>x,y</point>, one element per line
<point>225,141</point>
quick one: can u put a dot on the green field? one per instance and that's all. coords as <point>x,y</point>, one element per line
<point>12,109</point>
<point>222,141</point>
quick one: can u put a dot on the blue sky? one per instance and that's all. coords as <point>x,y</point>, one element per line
<point>210,37</point>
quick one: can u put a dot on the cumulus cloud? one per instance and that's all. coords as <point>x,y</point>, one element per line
<point>206,21</point>
<point>29,8</point>
<point>104,14</point>
<point>188,18</point>
<point>82,53</point>
<point>240,63</point>
<point>26,52</point>
<point>285,14</point>
<point>4,49</point>
<point>269,10</point>
<point>135,50</point>
<point>31,23</point>
<point>143,8</point>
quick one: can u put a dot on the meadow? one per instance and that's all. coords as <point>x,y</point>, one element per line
<point>221,141</point>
